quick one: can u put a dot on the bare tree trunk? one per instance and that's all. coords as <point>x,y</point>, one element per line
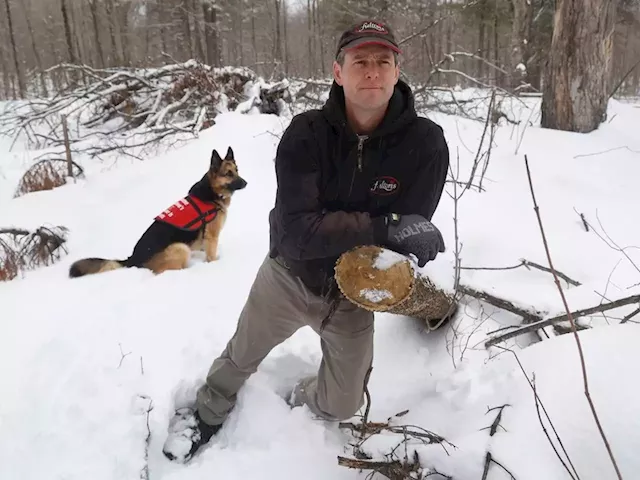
<point>163,20</point>
<point>122,25</point>
<point>93,4</point>
<point>496,48</point>
<point>183,14</point>
<point>286,46</point>
<point>5,75</point>
<point>481,40</point>
<point>115,55</point>
<point>36,52</point>
<point>254,42</point>
<point>277,47</point>
<point>320,31</point>
<point>520,40</point>
<point>197,37</point>
<point>211,33</point>
<point>21,83</point>
<point>310,62</point>
<point>576,90</point>
<point>67,31</point>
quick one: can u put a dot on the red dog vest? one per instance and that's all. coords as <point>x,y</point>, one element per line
<point>189,213</point>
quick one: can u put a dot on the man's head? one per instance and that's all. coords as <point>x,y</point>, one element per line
<point>366,64</point>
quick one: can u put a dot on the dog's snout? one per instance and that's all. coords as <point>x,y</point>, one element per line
<point>238,184</point>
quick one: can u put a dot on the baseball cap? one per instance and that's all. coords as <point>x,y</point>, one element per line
<point>368,32</point>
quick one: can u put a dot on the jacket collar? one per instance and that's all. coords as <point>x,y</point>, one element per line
<point>400,112</point>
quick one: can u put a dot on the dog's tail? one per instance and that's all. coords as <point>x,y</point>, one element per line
<point>89,266</point>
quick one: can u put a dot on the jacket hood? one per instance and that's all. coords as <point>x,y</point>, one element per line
<point>400,112</point>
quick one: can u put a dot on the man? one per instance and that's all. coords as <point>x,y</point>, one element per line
<point>358,171</point>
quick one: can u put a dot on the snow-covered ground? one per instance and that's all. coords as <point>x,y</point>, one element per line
<point>82,360</point>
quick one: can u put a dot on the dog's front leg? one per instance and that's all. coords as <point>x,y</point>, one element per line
<point>212,236</point>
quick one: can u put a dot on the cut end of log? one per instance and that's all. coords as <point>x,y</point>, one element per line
<point>381,280</point>
<point>374,278</point>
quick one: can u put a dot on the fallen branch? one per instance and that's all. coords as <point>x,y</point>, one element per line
<point>630,316</point>
<point>603,307</point>
<point>573,325</point>
<point>528,314</point>
<point>526,263</point>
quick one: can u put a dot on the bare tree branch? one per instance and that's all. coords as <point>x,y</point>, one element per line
<point>573,325</point>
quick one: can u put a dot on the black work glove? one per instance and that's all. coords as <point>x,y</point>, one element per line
<point>410,234</point>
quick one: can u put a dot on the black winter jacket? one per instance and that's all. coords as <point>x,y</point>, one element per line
<point>334,186</point>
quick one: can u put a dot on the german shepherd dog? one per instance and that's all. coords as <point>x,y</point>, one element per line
<point>192,223</point>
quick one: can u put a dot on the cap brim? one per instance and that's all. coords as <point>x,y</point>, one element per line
<point>361,42</point>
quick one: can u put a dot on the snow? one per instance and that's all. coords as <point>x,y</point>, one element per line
<point>375,295</point>
<point>387,259</point>
<point>83,360</point>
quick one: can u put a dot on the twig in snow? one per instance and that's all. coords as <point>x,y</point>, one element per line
<point>141,366</point>
<point>539,403</point>
<point>630,316</point>
<point>144,474</point>
<point>526,263</point>
<point>605,151</point>
<point>122,355</point>
<point>458,248</point>
<point>573,326</point>
<point>392,467</point>
<point>367,395</point>
<point>478,158</point>
<point>584,222</point>
<point>493,428</point>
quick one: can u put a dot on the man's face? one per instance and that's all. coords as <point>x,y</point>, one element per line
<point>368,76</point>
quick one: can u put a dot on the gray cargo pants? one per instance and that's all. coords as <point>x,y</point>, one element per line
<point>278,305</point>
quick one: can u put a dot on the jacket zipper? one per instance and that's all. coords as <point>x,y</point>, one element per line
<point>361,139</point>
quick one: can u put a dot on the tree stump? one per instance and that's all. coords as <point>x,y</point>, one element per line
<point>381,280</point>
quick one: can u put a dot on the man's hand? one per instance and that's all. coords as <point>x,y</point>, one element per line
<point>414,234</point>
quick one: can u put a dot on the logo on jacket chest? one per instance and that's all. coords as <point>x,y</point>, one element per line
<point>384,186</point>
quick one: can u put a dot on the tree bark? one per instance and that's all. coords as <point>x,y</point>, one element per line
<point>576,90</point>
<point>67,31</point>
<point>277,54</point>
<point>310,63</point>
<point>254,42</point>
<point>286,46</point>
<point>36,52</point>
<point>183,14</point>
<point>93,4</point>
<point>211,33</point>
<point>21,83</point>
<point>520,40</point>
<point>115,54</point>
<point>5,75</point>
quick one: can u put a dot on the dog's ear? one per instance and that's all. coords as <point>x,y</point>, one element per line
<point>216,161</point>
<point>229,155</point>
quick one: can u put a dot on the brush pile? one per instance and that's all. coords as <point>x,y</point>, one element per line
<point>22,250</point>
<point>123,109</point>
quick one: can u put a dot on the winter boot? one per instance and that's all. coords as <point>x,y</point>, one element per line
<point>187,433</point>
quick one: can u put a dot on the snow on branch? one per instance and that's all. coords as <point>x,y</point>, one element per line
<point>116,105</point>
<point>22,250</point>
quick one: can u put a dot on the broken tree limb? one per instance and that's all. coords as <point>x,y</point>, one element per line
<point>527,263</point>
<point>562,318</point>
<point>528,314</point>
<point>367,464</point>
